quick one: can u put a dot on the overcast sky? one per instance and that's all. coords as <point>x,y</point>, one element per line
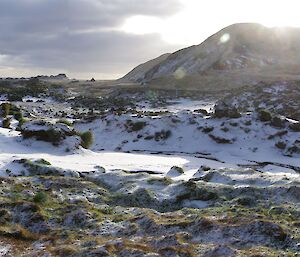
<point>107,38</point>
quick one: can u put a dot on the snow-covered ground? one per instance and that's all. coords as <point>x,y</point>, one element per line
<point>13,147</point>
<point>180,104</point>
<point>152,164</point>
<point>187,148</point>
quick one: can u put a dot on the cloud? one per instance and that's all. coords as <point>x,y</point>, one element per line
<point>77,36</point>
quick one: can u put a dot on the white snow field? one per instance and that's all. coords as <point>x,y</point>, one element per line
<point>188,147</point>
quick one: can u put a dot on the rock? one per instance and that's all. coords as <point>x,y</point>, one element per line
<point>78,218</point>
<point>34,168</point>
<point>193,192</point>
<point>225,110</point>
<point>5,216</point>
<point>295,126</point>
<point>207,129</point>
<point>278,210</point>
<point>278,122</point>
<point>220,140</point>
<point>175,171</point>
<point>294,149</point>
<point>204,168</point>
<point>281,145</point>
<point>202,111</point>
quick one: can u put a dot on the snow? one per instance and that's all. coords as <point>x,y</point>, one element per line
<point>181,104</point>
<point>247,146</point>
<point>227,160</point>
<point>37,99</point>
<point>86,160</point>
<point>116,147</point>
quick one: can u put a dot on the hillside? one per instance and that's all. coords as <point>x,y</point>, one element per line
<point>138,73</point>
<point>240,53</point>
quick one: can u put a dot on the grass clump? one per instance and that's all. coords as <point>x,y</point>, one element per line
<point>5,109</point>
<point>40,197</point>
<point>65,250</point>
<point>86,139</point>
<point>22,121</point>
<point>18,232</point>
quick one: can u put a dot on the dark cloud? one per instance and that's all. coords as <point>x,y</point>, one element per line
<point>78,35</point>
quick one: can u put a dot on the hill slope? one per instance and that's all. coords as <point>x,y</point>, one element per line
<point>244,52</point>
<point>138,73</point>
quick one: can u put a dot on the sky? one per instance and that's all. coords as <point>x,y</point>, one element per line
<point>105,39</point>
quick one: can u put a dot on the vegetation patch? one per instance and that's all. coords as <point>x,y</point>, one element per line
<point>86,139</point>
<point>135,126</point>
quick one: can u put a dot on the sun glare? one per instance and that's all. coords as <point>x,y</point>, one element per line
<point>199,19</point>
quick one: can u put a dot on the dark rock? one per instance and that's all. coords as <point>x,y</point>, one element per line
<point>295,126</point>
<point>220,140</point>
<point>281,145</point>
<point>278,122</point>
<point>225,110</point>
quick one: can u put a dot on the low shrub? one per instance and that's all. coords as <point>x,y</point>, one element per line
<point>22,121</point>
<point>264,115</point>
<point>138,126</point>
<point>49,135</point>
<point>162,135</point>
<point>86,139</point>
<point>40,197</point>
<point>5,109</point>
